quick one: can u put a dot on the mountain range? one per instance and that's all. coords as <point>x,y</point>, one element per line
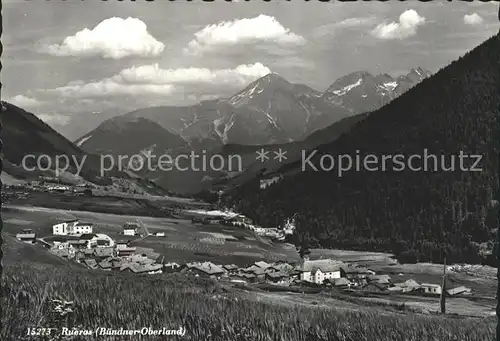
<point>418,214</point>
<point>25,134</point>
<point>270,111</point>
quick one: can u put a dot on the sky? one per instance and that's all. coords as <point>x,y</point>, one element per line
<point>75,63</point>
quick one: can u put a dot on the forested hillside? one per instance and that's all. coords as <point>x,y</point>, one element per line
<point>418,215</point>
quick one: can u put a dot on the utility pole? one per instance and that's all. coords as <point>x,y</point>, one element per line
<point>442,299</point>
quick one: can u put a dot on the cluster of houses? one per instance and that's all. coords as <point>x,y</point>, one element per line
<point>78,241</point>
<point>50,184</point>
<point>239,220</point>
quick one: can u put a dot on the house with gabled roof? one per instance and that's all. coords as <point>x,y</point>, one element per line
<point>430,288</point>
<point>205,269</point>
<point>64,228</point>
<point>382,279</point>
<point>230,268</point>
<point>26,237</point>
<point>171,267</point>
<point>90,263</point>
<point>316,271</point>
<point>262,265</point>
<point>277,277</point>
<point>406,286</point>
<point>461,290</point>
<point>355,272</point>
<point>130,229</point>
<point>254,269</point>
<point>341,283</point>
<point>375,287</point>
<point>106,264</point>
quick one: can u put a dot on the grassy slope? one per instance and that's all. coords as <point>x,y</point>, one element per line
<point>119,300</point>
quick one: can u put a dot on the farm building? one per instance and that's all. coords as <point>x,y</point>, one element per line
<point>79,244</point>
<point>104,252</point>
<point>356,272</point>
<point>262,265</point>
<point>281,266</point>
<point>382,279</point>
<point>431,288</point>
<point>82,228</point>
<point>121,244</point>
<point>64,253</point>
<point>206,269</point>
<point>245,220</point>
<point>375,287</point>
<point>230,268</point>
<point>458,291</point>
<point>406,286</point>
<point>72,227</point>
<point>318,270</point>
<point>125,251</point>
<point>64,228</point>
<point>255,270</point>
<point>171,267</point>
<point>90,263</point>
<point>130,229</point>
<point>341,283</point>
<point>212,220</point>
<point>26,237</point>
<point>91,240</point>
<point>106,264</point>
<point>277,278</point>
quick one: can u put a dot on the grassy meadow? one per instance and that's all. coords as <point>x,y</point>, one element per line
<point>205,308</point>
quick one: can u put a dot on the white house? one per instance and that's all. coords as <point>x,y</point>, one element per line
<point>26,237</point>
<point>96,240</point>
<point>431,288</point>
<point>64,227</point>
<point>318,270</point>
<point>130,229</point>
<point>83,228</point>
<point>72,227</point>
<point>103,240</point>
<point>121,244</point>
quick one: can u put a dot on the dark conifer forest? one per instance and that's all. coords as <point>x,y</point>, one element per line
<point>417,215</point>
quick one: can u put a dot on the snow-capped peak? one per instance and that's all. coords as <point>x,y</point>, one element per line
<point>83,140</point>
<point>347,88</point>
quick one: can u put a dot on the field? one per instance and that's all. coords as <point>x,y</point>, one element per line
<point>183,241</point>
<point>208,310</point>
<point>141,205</point>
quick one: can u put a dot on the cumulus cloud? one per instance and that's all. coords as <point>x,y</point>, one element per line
<point>113,38</point>
<point>349,23</point>
<point>260,29</point>
<point>473,19</point>
<point>406,27</point>
<point>25,101</point>
<point>153,80</point>
<point>354,22</point>
<point>112,86</point>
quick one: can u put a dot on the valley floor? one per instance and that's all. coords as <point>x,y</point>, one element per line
<point>207,309</point>
<point>185,242</point>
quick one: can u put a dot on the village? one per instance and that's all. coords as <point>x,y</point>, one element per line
<point>80,242</point>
